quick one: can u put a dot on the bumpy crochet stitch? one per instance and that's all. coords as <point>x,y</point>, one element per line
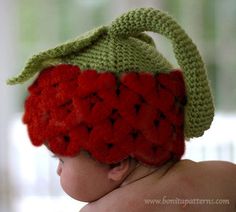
<point>123,48</point>
<point>139,115</point>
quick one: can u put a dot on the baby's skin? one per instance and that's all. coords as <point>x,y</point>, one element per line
<point>132,187</point>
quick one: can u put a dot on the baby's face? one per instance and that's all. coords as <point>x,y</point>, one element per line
<point>83,178</point>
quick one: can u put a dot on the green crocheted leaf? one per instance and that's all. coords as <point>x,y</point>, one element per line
<point>96,50</point>
<point>55,56</point>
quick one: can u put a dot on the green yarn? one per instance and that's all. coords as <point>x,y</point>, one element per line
<point>199,111</point>
<point>97,50</point>
<point>55,55</point>
<point>123,47</point>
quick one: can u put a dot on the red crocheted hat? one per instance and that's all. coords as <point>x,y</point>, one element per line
<point>139,114</point>
<point>111,93</point>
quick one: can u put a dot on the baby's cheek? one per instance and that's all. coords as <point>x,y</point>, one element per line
<point>74,186</point>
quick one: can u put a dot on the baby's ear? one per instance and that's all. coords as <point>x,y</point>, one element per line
<point>118,171</point>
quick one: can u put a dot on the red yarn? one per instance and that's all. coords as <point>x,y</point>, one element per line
<point>141,83</point>
<point>139,115</point>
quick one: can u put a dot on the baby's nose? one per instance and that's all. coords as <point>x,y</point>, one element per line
<point>59,169</point>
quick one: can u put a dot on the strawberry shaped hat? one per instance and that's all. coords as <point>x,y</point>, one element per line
<point>113,94</point>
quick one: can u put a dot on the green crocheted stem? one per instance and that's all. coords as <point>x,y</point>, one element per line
<point>199,111</point>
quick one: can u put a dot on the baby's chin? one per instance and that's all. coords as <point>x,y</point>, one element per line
<point>83,197</point>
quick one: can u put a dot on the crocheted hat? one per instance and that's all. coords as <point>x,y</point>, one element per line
<point>113,94</point>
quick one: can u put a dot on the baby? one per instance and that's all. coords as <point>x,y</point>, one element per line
<point>129,186</point>
<point>116,114</point>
